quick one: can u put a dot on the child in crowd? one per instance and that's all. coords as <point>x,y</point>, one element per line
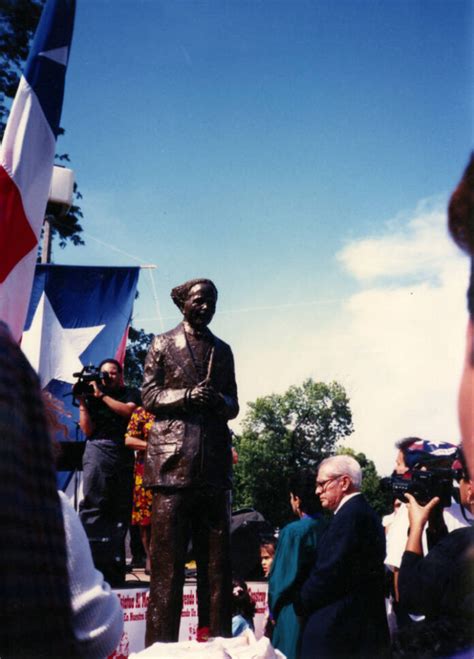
<point>267,554</point>
<point>243,608</point>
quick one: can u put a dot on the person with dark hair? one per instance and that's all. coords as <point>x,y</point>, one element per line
<point>243,608</point>
<point>35,604</point>
<point>295,554</point>
<point>461,226</point>
<point>461,210</point>
<point>107,469</point>
<point>425,583</point>
<point>189,385</point>
<point>415,454</point>
<point>440,585</point>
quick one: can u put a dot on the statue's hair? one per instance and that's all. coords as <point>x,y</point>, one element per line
<point>344,465</point>
<point>180,293</point>
<point>461,210</point>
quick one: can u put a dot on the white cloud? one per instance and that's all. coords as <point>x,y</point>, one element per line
<point>407,347</point>
<point>396,344</point>
<point>412,246</point>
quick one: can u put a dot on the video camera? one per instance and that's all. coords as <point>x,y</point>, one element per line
<point>89,374</point>
<point>424,485</point>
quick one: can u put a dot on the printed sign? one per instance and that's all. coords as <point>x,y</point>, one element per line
<point>134,603</point>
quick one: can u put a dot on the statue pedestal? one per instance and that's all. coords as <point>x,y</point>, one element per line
<point>134,603</point>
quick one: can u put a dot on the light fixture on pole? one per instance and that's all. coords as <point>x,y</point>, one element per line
<point>59,203</point>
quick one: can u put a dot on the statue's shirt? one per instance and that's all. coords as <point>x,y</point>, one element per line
<point>199,345</point>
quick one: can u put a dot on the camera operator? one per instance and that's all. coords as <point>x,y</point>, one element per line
<point>440,586</point>
<point>416,455</point>
<point>107,468</point>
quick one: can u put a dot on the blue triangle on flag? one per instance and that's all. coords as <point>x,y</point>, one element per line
<point>46,66</point>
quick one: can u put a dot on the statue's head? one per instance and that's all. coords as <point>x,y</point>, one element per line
<point>196,299</point>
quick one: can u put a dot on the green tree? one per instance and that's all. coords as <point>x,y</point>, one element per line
<point>18,21</point>
<point>137,349</point>
<point>283,434</point>
<point>379,500</point>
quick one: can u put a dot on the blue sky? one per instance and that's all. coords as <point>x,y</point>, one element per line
<point>301,155</point>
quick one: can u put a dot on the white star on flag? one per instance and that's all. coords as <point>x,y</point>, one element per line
<point>53,350</point>
<point>59,55</point>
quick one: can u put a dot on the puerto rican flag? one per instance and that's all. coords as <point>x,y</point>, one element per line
<point>77,316</point>
<point>27,157</point>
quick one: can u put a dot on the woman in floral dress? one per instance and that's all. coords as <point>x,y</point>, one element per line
<point>136,439</point>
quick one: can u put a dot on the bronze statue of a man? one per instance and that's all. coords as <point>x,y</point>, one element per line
<point>189,385</point>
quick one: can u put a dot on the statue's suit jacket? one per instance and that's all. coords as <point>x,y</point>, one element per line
<point>343,598</point>
<point>187,448</point>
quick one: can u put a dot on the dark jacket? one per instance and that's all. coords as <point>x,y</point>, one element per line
<point>187,448</point>
<point>343,598</point>
<point>441,584</point>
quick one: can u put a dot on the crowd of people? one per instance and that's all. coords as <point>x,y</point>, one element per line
<point>343,587</point>
<point>341,582</point>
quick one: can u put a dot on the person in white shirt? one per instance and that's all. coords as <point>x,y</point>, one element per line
<point>97,616</point>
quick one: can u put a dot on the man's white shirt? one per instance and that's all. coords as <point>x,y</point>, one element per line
<point>397,531</point>
<point>344,500</point>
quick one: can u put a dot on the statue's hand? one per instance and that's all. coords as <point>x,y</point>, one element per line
<point>204,396</point>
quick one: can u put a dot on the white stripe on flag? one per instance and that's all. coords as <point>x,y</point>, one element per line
<point>15,294</point>
<point>28,152</point>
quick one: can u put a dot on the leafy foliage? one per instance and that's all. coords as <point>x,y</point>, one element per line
<point>18,21</point>
<point>137,349</point>
<point>283,434</point>
<point>380,501</point>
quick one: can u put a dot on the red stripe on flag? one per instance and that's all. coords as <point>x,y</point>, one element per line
<point>17,238</point>
<point>121,350</point>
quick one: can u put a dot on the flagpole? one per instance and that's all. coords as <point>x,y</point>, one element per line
<point>47,240</point>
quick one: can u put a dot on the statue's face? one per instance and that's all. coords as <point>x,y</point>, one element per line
<point>200,305</point>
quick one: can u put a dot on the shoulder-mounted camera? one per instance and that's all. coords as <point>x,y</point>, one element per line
<point>423,485</point>
<point>89,374</point>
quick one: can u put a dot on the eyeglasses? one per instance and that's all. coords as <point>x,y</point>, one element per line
<point>321,485</point>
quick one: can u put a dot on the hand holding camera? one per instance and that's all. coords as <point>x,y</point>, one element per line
<point>420,515</point>
<point>90,383</point>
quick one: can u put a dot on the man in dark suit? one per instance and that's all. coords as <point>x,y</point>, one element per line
<point>343,599</point>
<point>189,385</point>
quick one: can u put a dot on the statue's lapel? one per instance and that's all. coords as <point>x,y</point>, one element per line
<point>178,351</point>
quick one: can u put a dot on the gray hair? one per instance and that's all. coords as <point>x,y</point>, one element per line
<point>344,465</point>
